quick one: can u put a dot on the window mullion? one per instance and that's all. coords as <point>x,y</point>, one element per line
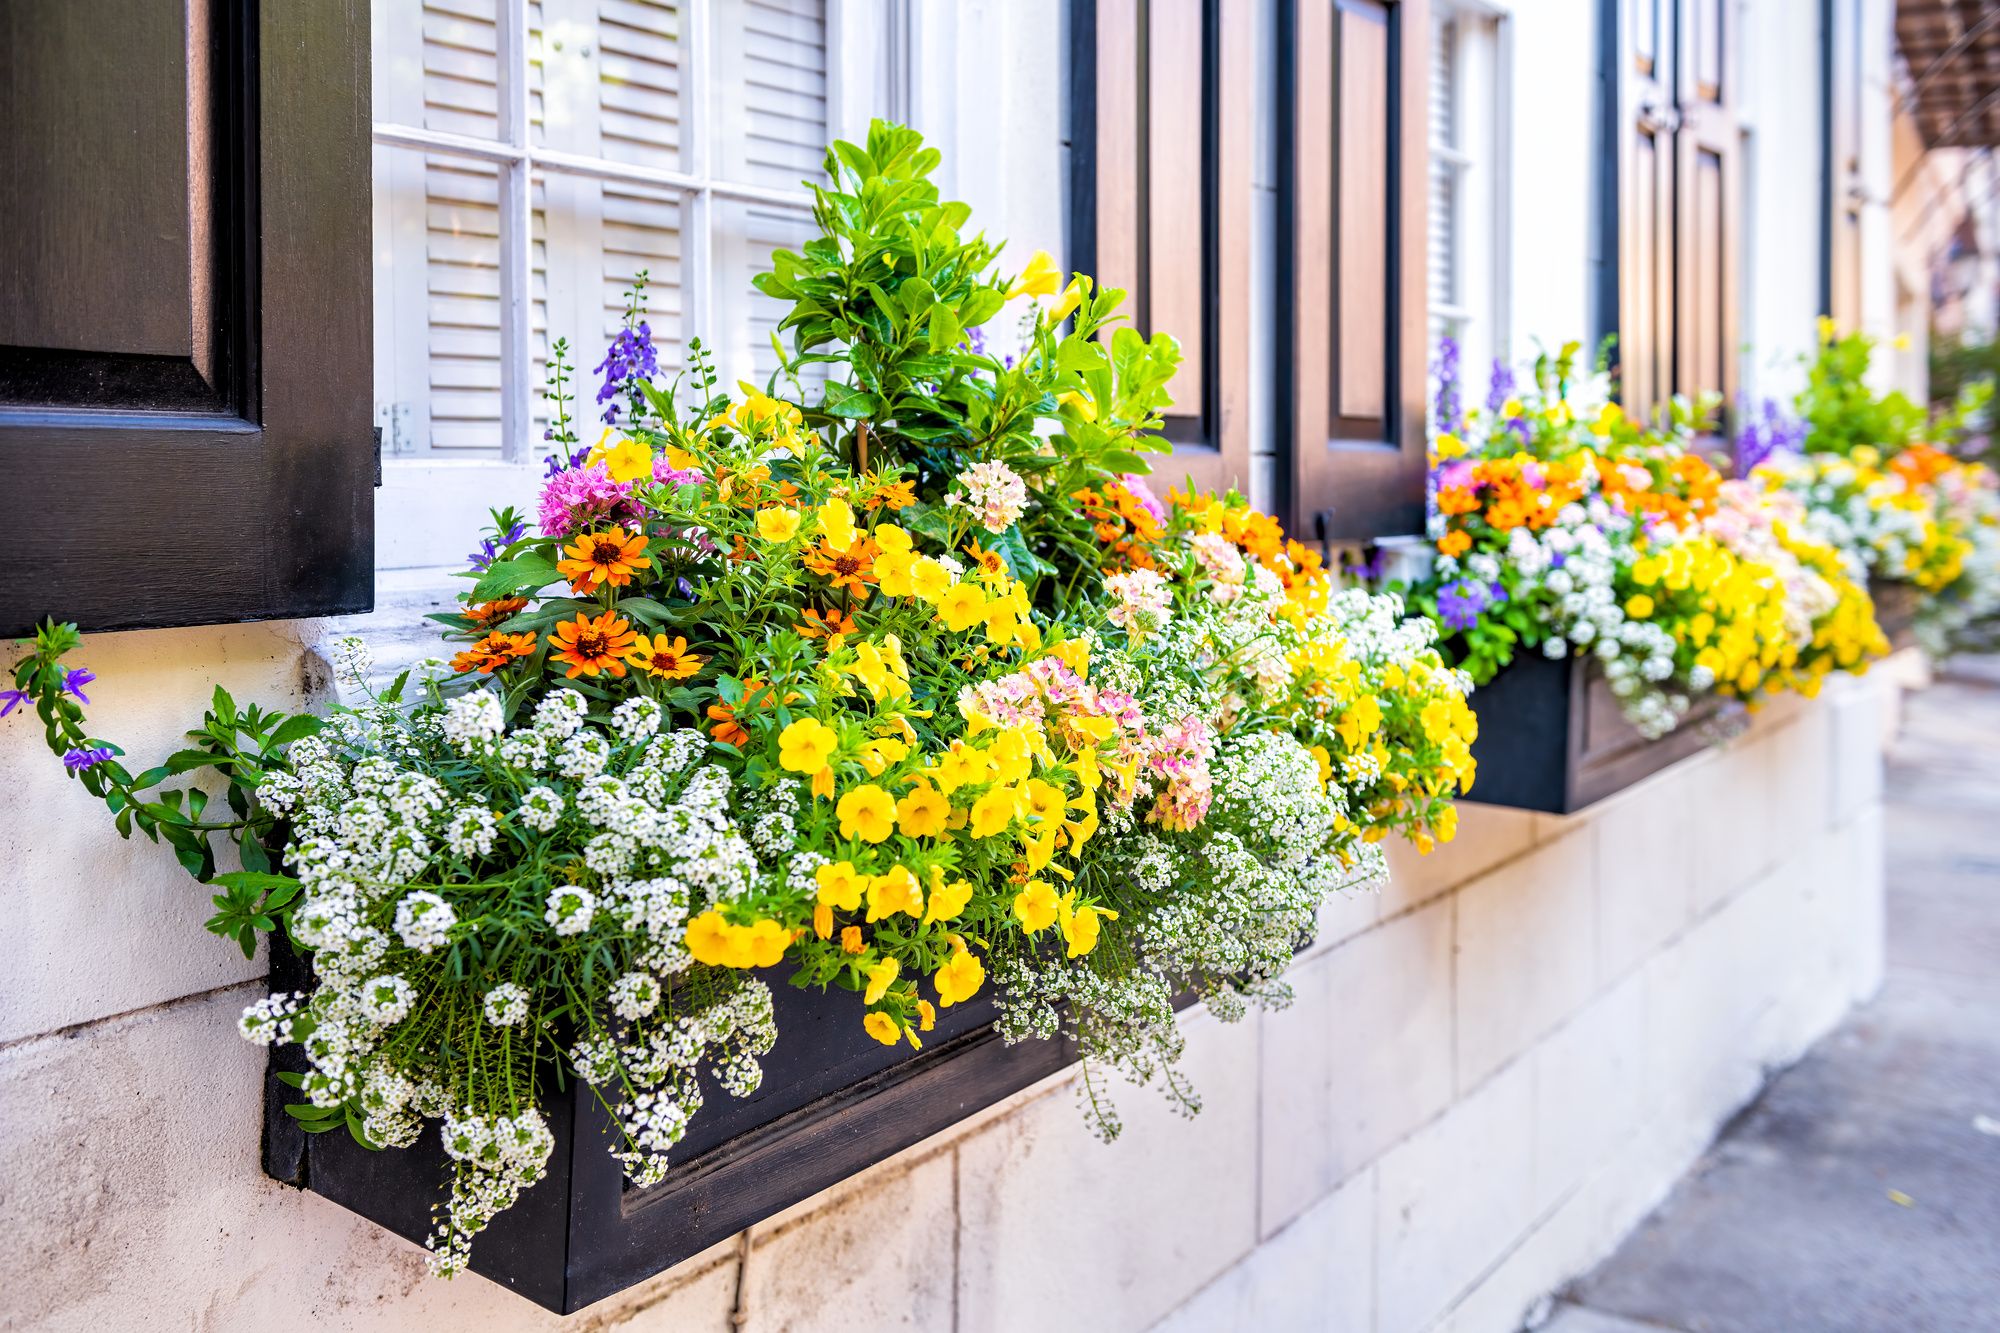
<point>510,25</point>
<point>697,206</point>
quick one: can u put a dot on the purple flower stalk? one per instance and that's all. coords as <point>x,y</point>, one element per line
<point>632,357</point>
<point>78,760</point>
<point>75,679</point>
<point>1445,412</point>
<point>1775,432</point>
<point>562,462</point>
<point>1460,603</point>
<point>483,558</point>
<point>1501,387</point>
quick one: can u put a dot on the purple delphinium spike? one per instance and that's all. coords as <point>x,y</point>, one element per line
<point>78,760</point>
<point>1501,387</point>
<point>631,357</point>
<point>1774,431</point>
<point>1446,407</point>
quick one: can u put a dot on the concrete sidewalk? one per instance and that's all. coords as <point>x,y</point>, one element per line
<point>1862,1191</point>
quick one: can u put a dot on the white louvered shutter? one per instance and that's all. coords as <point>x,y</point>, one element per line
<point>1446,162</point>
<point>606,81</point>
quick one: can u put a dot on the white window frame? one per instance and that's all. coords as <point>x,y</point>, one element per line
<point>1482,185</point>
<point>427,500</point>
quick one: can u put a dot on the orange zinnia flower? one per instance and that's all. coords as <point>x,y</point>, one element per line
<point>499,609</point>
<point>848,569</point>
<point>1455,542</point>
<point>601,559</point>
<point>895,495</point>
<point>830,625</point>
<point>493,652</point>
<point>727,729</point>
<point>593,645</point>
<point>670,660</point>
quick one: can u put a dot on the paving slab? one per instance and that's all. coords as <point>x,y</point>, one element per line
<point>1861,1192</point>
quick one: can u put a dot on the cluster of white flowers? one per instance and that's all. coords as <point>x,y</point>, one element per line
<point>994,493</point>
<point>394,840</point>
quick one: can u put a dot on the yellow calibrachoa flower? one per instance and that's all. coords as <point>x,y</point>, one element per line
<point>867,813</point>
<point>806,745</point>
<point>1081,924</point>
<point>962,607</point>
<point>960,978</point>
<point>993,812</point>
<point>836,523</point>
<point>879,754</point>
<point>1638,606</point>
<point>1039,278</point>
<point>948,900</point>
<point>880,978</point>
<point>624,458</point>
<point>882,1028</point>
<point>1042,801</point>
<point>1036,907</point>
<point>922,812</point>
<point>777,523</point>
<point>840,885</point>
<point>959,766</point>
<point>895,892</point>
<point>714,940</point>
<point>929,579</point>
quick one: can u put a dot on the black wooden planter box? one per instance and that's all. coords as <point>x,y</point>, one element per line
<point>833,1101</point>
<point>1552,737</point>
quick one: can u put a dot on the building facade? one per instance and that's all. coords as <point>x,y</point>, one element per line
<point>1496,1065</point>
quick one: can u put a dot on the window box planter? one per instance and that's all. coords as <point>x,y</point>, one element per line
<point>833,1102</point>
<point>1552,737</point>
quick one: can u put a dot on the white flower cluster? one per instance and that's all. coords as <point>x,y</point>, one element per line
<point>395,839</point>
<point>1141,601</point>
<point>994,493</point>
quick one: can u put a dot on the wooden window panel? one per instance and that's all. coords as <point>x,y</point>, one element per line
<point>1677,225</point>
<point>1160,197</point>
<point>185,341</point>
<point>1353,209</point>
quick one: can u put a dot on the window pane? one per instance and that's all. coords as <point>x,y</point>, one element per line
<point>595,238</point>
<point>437,304</point>
<point>740,332</point>
<point>770,91</point>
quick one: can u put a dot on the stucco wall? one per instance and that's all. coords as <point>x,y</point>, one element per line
<point>1492,1069</point>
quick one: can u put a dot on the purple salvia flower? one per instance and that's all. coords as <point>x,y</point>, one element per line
<point>1446,409</point>
<point>1758,439</point>
<point>1501,387</point>
<point>632,357</point>
<point>75,679</point>
<point>78,760</point>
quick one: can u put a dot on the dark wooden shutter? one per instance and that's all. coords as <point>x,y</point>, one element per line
<point>185,430</point>
<point>1680,208</point>
<point>1353,153</point>
<point>1160,196</point>
<point>1840,111</point>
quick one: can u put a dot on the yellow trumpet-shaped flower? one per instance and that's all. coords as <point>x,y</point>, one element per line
<point>1039,278</point>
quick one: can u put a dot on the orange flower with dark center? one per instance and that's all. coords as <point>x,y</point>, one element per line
<point>668,660</point>
<point>833,626</point>
<point>892,495</point>
<point>989,562</point>
<point>849,568</point>
<point>727,729</point>
<point>590,645</point>
<point>495,611</point>
<point>603,559</point>
<point>494,651</point>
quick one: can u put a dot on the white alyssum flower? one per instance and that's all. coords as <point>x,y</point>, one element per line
<point>634,995</point>
<point>424,920</point>
<point>570,910</point>
<point>540,808</point>
<point>506,1005</point>
<point>387,999</point>
<point>473,719</point>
